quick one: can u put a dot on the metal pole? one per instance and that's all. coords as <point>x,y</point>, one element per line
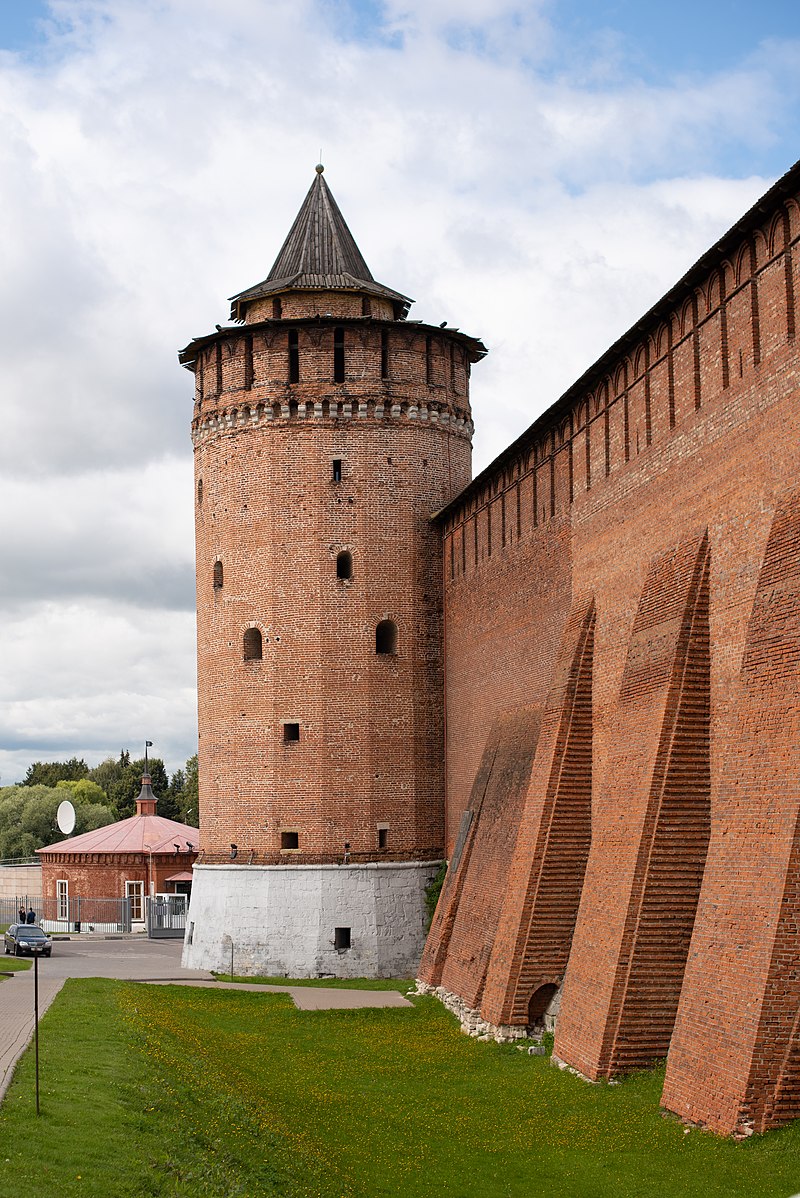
<point>231,958</point>
<point>36,1022</point>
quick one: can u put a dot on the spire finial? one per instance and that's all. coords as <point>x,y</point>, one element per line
<point>319,168</point>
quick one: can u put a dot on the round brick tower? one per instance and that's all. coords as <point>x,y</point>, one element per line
<point>327,429</point>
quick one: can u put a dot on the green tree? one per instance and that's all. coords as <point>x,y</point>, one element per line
<point>109,772</point>
<point>84,792</point>
<point>190,803</point>
<point>28,818</point>
<point>179,801</point>
<point>50,773</point>
<point>170,803</point>
<point>125,791</point>
<point>122,781</point>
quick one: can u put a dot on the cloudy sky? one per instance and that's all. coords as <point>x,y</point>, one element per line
<point>535,173</point>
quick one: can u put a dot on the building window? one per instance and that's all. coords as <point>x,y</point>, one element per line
<point>384,353</point>
<point>383,837</point>
<point>217,574</point>
<point>338,355</point>
<point>248,361</point>
<point>277,308</point>
<point>366,305</point>
<point>294,357</point>
<point>134,893</point>
<point>290,840</point>
<point>218,366</point>
<point>429,360</point>
<point>386,637</point>
<point>337,470</point>
<point>341,939</point>
<point>62,898</point>
<point>344,564</point>
<point>251,644</point>
<point>291,732</point>
<point>199,491</point>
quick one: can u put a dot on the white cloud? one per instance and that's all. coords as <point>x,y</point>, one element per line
<point>152,160</point>
<point>90,679</point>
<point>124,534</point>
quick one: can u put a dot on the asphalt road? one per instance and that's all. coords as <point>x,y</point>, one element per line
<point>137,958</point>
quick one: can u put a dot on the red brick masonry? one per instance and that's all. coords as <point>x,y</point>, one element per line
<point>622,631</point>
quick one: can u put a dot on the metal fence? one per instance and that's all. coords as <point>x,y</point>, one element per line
<point>166,916</point>
<point>69,915</point>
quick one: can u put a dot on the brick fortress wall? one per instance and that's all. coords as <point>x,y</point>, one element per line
<point>607,592</point>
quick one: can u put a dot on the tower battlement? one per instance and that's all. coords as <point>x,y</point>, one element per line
<point>286,371</point>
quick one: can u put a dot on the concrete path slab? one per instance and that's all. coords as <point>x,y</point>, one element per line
<point>323,998</point>
<point>305,998</point>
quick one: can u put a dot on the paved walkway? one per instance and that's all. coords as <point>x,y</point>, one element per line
<point>138,960</point>
<point>16,1018</point>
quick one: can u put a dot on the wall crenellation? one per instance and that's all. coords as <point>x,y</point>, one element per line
<point>707,345</point>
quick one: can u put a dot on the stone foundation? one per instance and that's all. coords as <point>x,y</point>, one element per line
<point>472,1024</point>
<point>283,920</point>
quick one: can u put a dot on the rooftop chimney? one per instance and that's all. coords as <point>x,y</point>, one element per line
<point>146,802</point>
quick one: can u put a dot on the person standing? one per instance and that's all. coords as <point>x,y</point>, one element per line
<point>21,914</point>
<point>31,915</point>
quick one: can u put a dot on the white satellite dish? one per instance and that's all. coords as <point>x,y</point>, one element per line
<point>65,817</point>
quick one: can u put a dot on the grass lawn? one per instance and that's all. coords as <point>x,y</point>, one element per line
<point>164,1090</point>
<point>15,964</point>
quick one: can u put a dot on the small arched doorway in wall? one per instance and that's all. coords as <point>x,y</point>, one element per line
<point>539,1002</point>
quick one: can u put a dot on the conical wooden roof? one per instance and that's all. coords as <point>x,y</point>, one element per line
<point>319,253</point>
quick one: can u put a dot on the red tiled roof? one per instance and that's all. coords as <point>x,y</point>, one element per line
<point>138,834</point>
<point>184,876</point>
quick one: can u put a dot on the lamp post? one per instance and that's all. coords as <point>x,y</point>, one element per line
<point>36,1020</point>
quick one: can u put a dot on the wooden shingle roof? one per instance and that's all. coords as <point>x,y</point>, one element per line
<point>319,254</point>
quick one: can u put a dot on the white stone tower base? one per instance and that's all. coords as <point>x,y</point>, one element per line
<point>282,920</point>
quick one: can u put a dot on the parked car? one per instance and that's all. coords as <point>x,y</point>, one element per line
<point>22,938</point>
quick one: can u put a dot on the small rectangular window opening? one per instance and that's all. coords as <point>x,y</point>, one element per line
<point>337,470</point>
<point>384,353</point>
<point>248,361</point>
<point>290,840</point>
<point>338,355</point>
<point>277,308</point>
<point>428,359</point>
<point>291,732</point>
<point>383,838</point>
<point>341,939</point>
<point>294,357</point>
